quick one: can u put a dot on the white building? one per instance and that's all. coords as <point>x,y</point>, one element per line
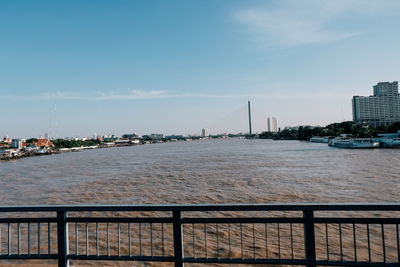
<point>204,132</point>
<point>272,124</point>
<point>383,108</point>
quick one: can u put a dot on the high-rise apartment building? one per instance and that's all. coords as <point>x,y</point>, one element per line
<point>16,143</point>
<point>272,124</point>
<point>204,132</point>
<point>383,108</point>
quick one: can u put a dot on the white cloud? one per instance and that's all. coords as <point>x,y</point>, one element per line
<point>61,95</point>
<point>308,21</point>
<point>139,95</point>
<point>288,29</point>
<point>131,94</point>
<point>128,95</point>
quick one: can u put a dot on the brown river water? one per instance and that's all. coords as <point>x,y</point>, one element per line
<point>211,171</point>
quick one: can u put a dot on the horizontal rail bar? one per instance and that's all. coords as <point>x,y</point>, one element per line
<point>121,258</point>
<point>358,220</point>
<point>28,220</point>
<point>119,220</point>
<point>28,256</point>
<point>361,264</point>
<point>242,220</point>
<point>212,207</point>
<point>246,261</point>
<point>205,220</point>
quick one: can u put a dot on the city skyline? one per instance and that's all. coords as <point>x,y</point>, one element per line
<point>177,67</point>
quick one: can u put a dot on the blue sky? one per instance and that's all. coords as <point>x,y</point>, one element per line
<point>80,67</point>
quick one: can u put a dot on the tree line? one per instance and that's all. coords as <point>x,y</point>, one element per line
<point>62,143</point>
<point>334,129</point>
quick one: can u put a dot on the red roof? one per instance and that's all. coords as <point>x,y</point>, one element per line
<point>44,142</point>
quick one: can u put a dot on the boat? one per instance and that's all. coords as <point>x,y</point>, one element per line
<point>339,142</point>
<point>390,142</point>
<point>319,139</point>
<point>354,143</point>
<point>41,151</point>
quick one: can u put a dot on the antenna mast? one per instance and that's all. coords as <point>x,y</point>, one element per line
<point>248,103</point>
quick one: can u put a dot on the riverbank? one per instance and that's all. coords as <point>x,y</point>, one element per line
<point>15,154</point>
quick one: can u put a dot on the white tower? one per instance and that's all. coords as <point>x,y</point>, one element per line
<point>204,132</point>
<point>272,124</point>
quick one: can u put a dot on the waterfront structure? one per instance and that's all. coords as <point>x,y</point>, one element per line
<point>272,124</point>
<point>174,137</point>
<point>153,137</point>
<point>156,136</point>
<point>7,139</point>
<point>204,132</point>
<point>43,142</point>
<point>131,136</point>
<point>110,138</point>
<point>16,143</point>
<point>382,108</point>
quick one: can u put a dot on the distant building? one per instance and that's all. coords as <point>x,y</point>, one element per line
<point>7,139</point>
<point>110,138</point>
<point>204,132</point>
<point>43,142</point>
<point>174,137</point>
<point>272,124</point>
<point>16,143</point>
<point>130,136</point>
<point>153,137</point>
<point>383,108</point>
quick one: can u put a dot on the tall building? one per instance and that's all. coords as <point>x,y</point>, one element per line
<point>272,124</point>
<point>17,143</point>
<point>204,132</point>
<point>383,108</point>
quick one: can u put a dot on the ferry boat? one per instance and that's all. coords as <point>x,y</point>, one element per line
<point>390,142</point>
<point>354,143</point>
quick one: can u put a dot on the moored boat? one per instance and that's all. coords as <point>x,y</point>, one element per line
<point>41,151</point>
<point>390,142</point>
<point>354,143</point>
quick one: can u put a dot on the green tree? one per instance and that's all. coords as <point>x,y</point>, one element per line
<point>394,127</point>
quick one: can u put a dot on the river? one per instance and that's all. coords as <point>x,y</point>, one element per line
<point>210,171</point>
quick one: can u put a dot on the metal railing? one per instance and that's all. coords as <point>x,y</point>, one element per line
<point>278,234</point>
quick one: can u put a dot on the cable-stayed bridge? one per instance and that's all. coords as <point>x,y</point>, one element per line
<point>237,121</point>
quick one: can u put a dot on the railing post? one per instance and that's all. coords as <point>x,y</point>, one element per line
<point>309,238</point>
<point>178,247</point>
<point>62,239</point>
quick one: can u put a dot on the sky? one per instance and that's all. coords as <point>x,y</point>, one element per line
<point>75,68</point>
